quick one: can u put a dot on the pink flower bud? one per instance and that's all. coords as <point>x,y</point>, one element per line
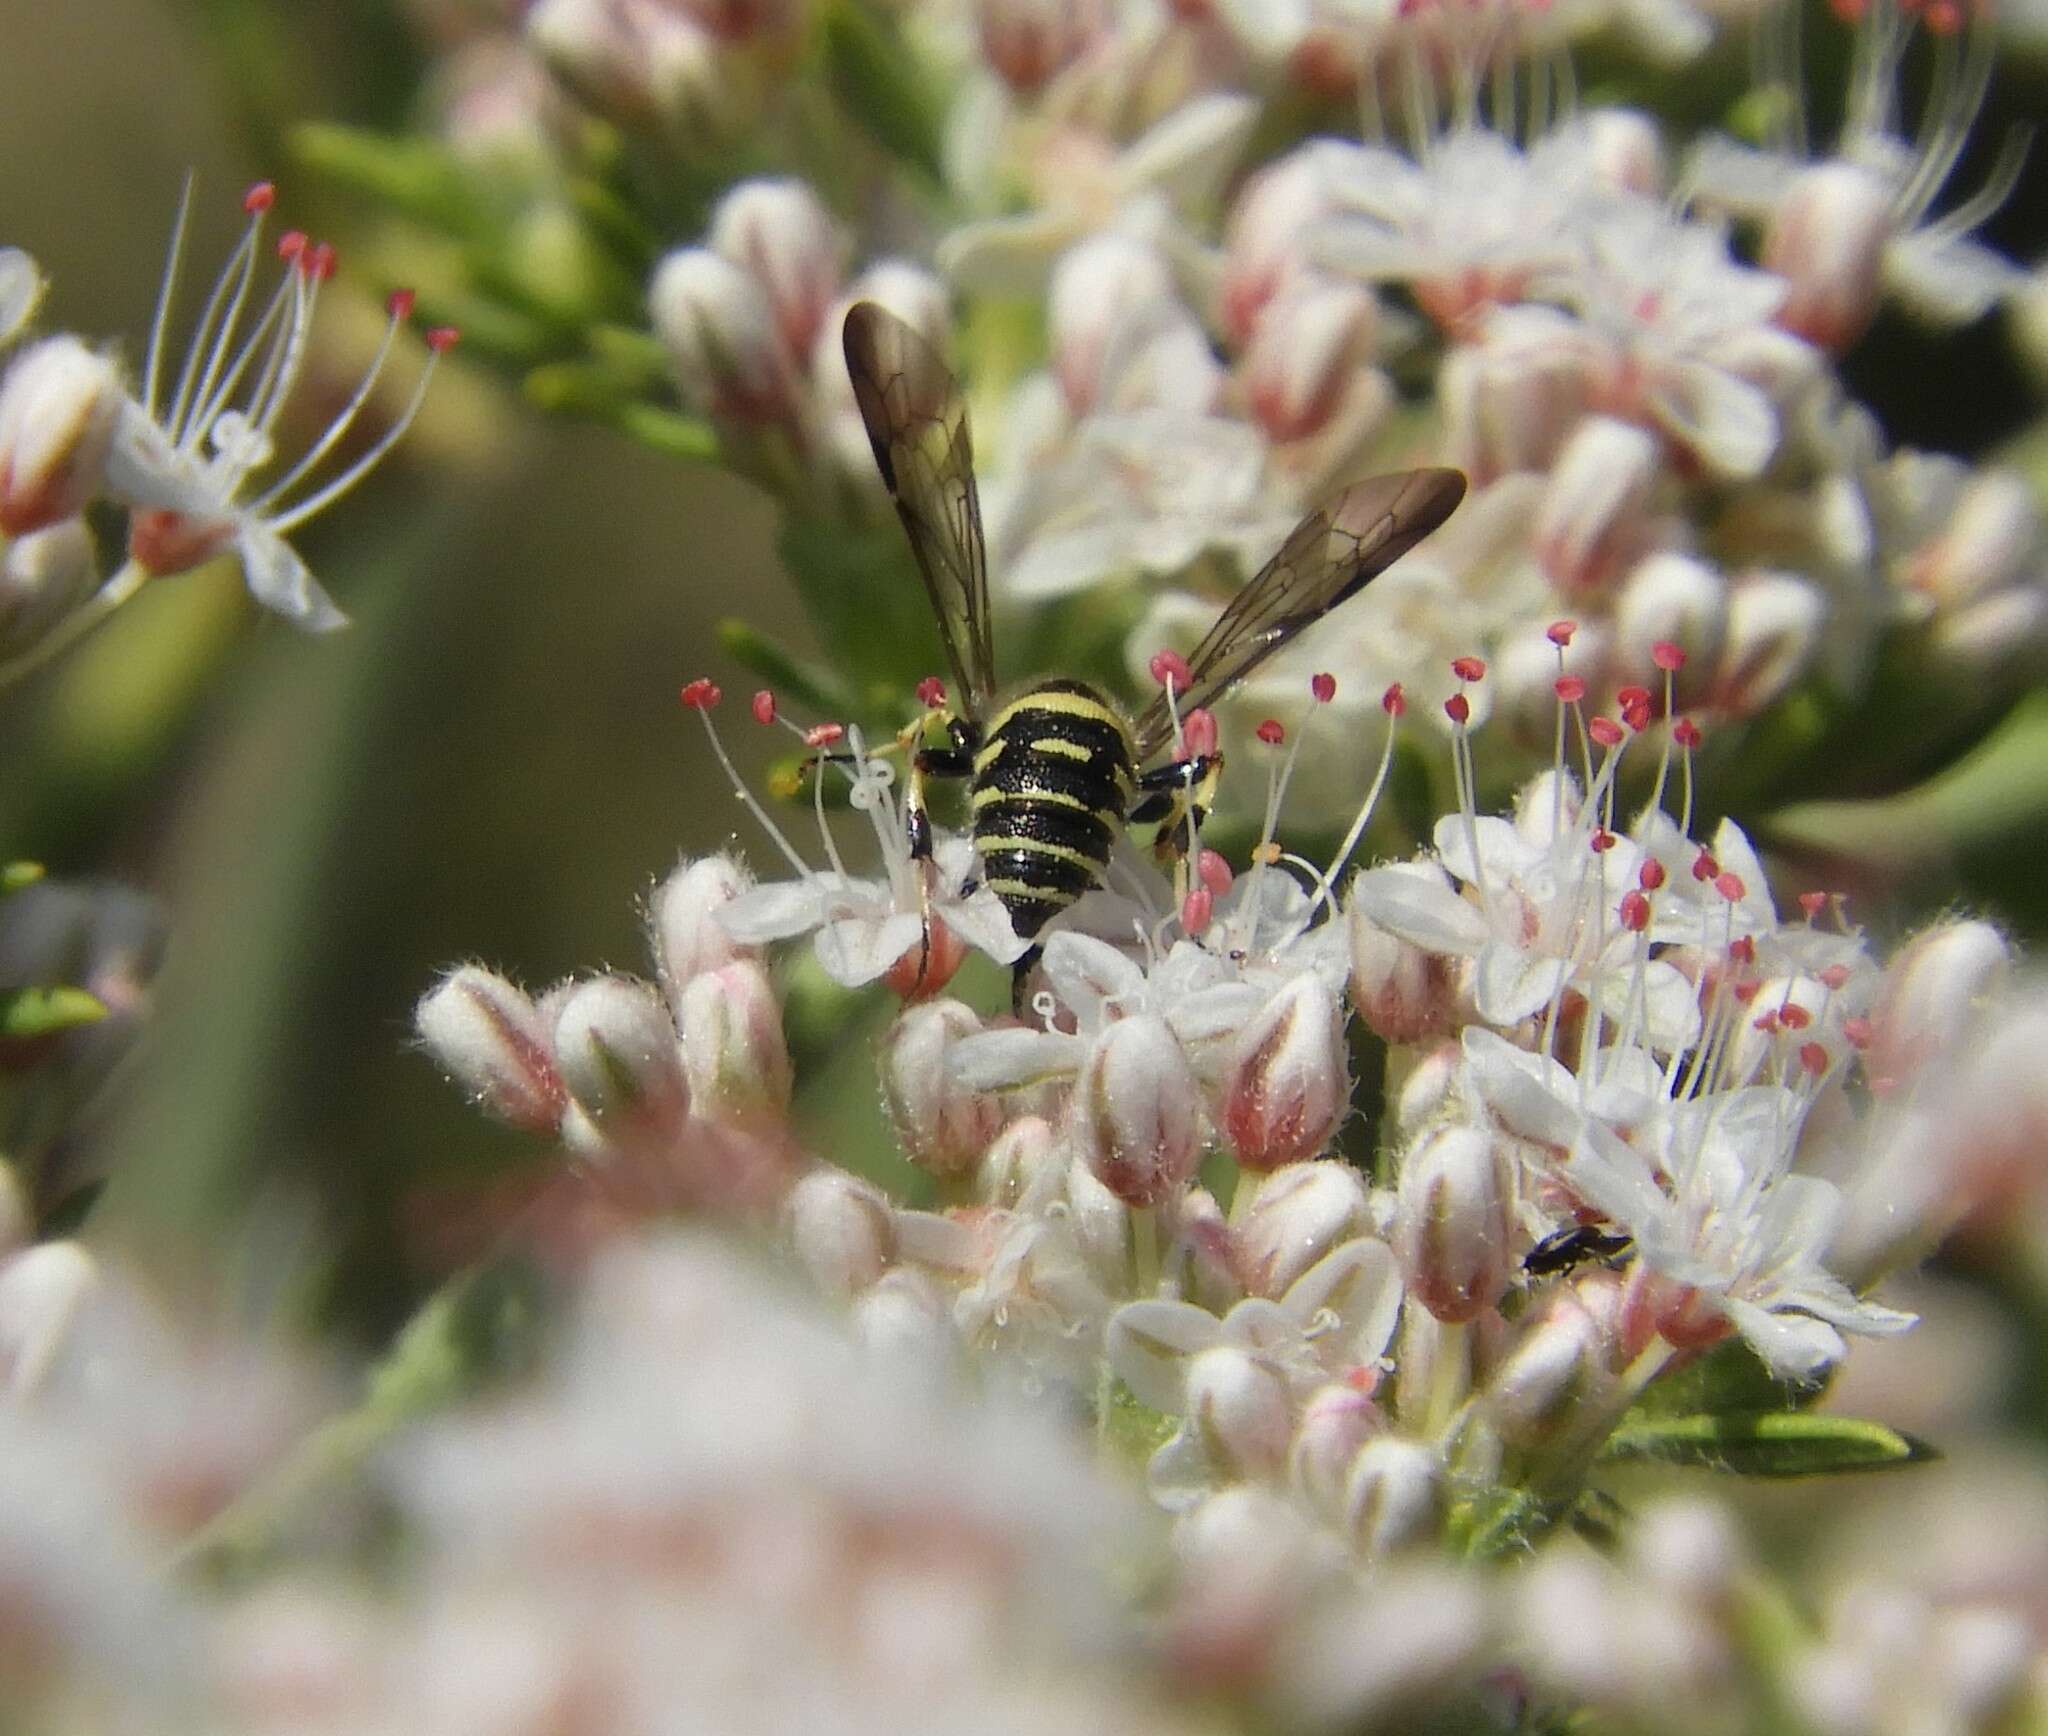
<point>1266,240</point>
<point>1024,1166</point>
<point>1336,1422</point>
<point>44,576</point>
<point>783,237</point>
<point>1991,534</point>
<point>945,1128</point>
<point>1394,1495</point>
<point>1288,1080</point>
<point>639,63</point>
<point>1626,150</point>
<point>1403,993</point>
<point>42,1290</point>
<point>1312,340</point>
<point>1827,238</point>
<point>842,1229</point>
<point>1202,1263</point>
<point>1103,294</point>
<point>1300,1213</point>
<point>616,1047</point>
<point>1935,988</point>
<point>1137,1111</point>
<point>683,927</point>
<point>914,294</point>
<point>1591,520</point>
<point>58,404</point>
<point>1510,401</point>
<point>1557,1368</point>
<point>1028,41</point>
<point>907,1317</point>
<point>1991,639</point>
<point>1672,599</point>
<point>734,1055</point>
<point>1428,1087</point>
<point>1240,1405</point>
<point>495,1044</point>
<point>1452,1222</point>
<point>1774,623</point>
<point>722,337</point>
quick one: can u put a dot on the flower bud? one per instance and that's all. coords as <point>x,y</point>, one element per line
<point>1510,400</point>
<point>908,1318</point>
<point>1827,239</point>
<point>1266,241</point>
<point>1934,989</point>
<point>842,1229</point>
<point>641,65</point>
<point>1312,340</point>
<point>945,1128</point>
<point>1024,1167</point>
<point>914,294</point>
<point>16,1219</point>
<point>783,237</point>
<point>496,1045</point>
<point>1426,1091</point>
<point>1288,1081</point>
<point>1239,1403</point>
<point>1201,1265</point>
<point>683,927</point>
<point>58,405</point>
<point>1453,1222</point>
<point>722,338</point>
<point>616,1047</point>
<point>1691,1548</point>
<point>41,1291</point>
<point>1626,150</point>
<point>1671,599</point>
<point>1774,623</point>
<point>1137,1111</point>
<point>1558,1367</point>
<point>1336,1422</point>
<point>1403,993</point>
<point>1991,533</point>
<point>1103,293</point>
<point>1300,1213</point>
<point>1028,41</point>
<point>1991,639</point>
<point>1394,1495</point>
<point>733,1051</point>
<point>43,577</point>
<point>1590,521</point>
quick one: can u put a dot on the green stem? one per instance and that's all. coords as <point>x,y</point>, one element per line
<point>76,625</point>
<point>1144,1250</point>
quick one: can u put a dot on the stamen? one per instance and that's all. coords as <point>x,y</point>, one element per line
<point>700,696</point>
<point>1394,703</point>
<point>160,319</point>
<point>397,307</point>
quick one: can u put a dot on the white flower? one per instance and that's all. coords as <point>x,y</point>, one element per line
<point>21,287</point>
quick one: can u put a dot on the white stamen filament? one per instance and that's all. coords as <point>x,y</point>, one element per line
<point>334,490</point>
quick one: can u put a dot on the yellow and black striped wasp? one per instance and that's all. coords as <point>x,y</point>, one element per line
<point>1056,771</point>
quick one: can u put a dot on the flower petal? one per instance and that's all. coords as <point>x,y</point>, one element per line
<point>1359,1283</point>
<point>857,949</point>
<point>1415,902</point>
<point>279,580</point>
<point>1148,1344</point>
<point>1013,1059</point>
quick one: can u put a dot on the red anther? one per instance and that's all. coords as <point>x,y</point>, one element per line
<point>1270,732</point>
<point>701,694</point>
<point>1835,977</point>
<point>1170,668</point>
<point>1859,1032</point>
<point>291,244</point>
<point>260,197</point>
<point>1559,633</point>
<point>1601,841</point>
<point>1742,949</point>
<point>764,706</point>
<point>1796,1017</point>
<point>1766,1022</point>
<point>1704,867</point>
<point>1668,657</point>
<point>931,693</point>
<point>1468,668</point>
<point>1323,687</point>
<point>1650,875</point>
<point>1813,903</point>
<point>1632,696</point>
<point>320,261</point>
<point>1362,1377</point>
<point>1394,702</point>
<point>1570,689</point>
<point>1729,884</point>
<point>1458,709</point>
<point>1605,731</point>
<point>1214,871</point>
<point>824,734</point>
<point>1686,733</point>
<point>1636,714</point>
<point>1814,1058</point>
<point>1197,735</point>
<point>1745,992</point>
<point>398,304</point>
<point>1635,912</point>
<point>442,339</point>
<point>1944,18</point>
<point>1196,909</point>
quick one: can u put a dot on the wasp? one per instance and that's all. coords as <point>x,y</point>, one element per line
<point>1056,772</point>
<point>1575,1245</point>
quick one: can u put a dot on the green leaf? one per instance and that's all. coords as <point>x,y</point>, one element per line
<point>1131,1432</point>
<point>44,1012</point>
<point>1767,1443</point>
<point>1730,1377</point>
<point>861,590</point>
<point>874,74</point>
<point>15,875</point>
<point>417,176</point>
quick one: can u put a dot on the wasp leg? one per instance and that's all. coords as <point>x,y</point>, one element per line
<point>956,761</point>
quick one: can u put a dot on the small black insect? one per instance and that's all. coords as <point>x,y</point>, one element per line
<point>1575,1245</point>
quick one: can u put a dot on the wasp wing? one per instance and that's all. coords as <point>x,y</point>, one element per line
<point>917,424</point>
<point>1328,557</point>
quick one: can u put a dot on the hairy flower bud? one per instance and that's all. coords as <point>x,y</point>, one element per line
<point>1626,150</point>
<point>41,1291</point>
<point>1991,639</point>
<point>780,233</point>
<point>1335,1423</point>
<point>1511,399</point>
<point>1827,239</point>
<point>1394,1495</point>
<point>1403,993</point>
<point>907,1317</point>
<point>1774,623</point>
<point>496,1045</point>
<point>1452,1224</point>
<point>1934,989</point>
<point>1137,1111</point>
<point>1265,243</point>
<point>1557,1367</point>
<point>1590,522</point>
<point>734,1055</point>
<point>1028,41</point>
<point>1427,1089</point>
<point>641,62</point>
<point>58,404</point>
<point>843,1230</point>
<point>1103,293</point>
<point>1202,1263</point>
<point>945,1127</point>
<point>1299,1214</point>
<point>1240,1405</point>
<point>1672,599</point>
<point>1312,340</point>
<point>722,338</point>
<point>1990,535</point>
<point>1024,1166</point>
<point>1288,1080</point>
<point>616,1047</point>
<point>683,926</point>
<point>44,576</point>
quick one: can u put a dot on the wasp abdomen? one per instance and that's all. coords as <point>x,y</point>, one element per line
<point>1053,779</point>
